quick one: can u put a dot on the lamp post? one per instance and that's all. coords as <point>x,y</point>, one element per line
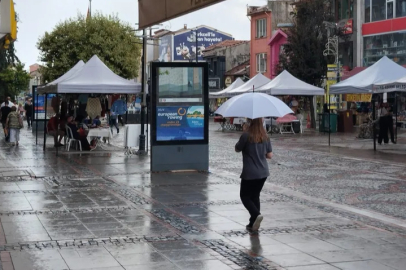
<point>90,8</point>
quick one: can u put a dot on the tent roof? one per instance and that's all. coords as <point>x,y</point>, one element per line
<point>238,82</point>
<point>382,71</point>
<point>398,85</point>
<point>95,77</point>
<point>287,84</point>
<point>255,82</point>
<point>52,85</point>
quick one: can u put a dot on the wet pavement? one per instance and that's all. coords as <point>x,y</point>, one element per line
<point>324,208</point>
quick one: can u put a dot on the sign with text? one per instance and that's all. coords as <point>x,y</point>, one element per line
<point>359,97</point>
<point>166,48</point>
<point>185,43</point>
<point>153,12</point>
<point>214,83</point>
<point>178,123</point>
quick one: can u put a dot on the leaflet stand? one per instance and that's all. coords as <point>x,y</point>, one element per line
<point>180,117</point>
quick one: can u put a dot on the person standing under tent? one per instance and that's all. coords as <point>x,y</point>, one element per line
<point>256,149</point>
<point>119,108</point>
<point>112,120</point>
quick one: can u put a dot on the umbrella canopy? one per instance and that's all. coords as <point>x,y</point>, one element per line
<point>382,71</point>
<point>287,84</point>
<point>398,85</point>
<point>253,105</point>
<point>237,83</point>
<point>255,82</point>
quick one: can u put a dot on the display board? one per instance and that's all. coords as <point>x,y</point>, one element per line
<point>180,116</point>
<point>38,105</point>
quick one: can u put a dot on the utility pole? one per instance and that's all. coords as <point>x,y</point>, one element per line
<point>141,150</point>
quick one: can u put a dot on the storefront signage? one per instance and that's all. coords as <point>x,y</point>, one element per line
<point>178,123</point>
<point>348,27</point>
<point>214,83</point>
<point>152,12</point>
<point>185,43</point>
<point>359,97</point>
<point>166,48</point>
<point>228,81</point>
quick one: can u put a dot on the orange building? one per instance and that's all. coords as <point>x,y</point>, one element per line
<point>261,32</point>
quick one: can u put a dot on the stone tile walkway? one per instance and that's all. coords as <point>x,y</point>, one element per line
<point>104,210</point>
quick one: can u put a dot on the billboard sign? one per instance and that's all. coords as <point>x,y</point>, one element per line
<point>180,123</point>
<point>185,43</point>
<point>153,12</point>
<point>166,48</point>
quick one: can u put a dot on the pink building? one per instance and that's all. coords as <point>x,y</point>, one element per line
<point>261,32</point>
<point>276,46</point>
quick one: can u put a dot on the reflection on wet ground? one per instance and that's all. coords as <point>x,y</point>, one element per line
<point>106,211</point>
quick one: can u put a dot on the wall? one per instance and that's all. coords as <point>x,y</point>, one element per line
<point>260,45</point>
<point>280,12</point>
<point>277,41</point>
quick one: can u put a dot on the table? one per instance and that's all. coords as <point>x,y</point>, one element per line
<point>100,132</point>
<point>287,127</point>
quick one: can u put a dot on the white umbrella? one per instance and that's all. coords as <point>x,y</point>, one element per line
<point>253,105</point>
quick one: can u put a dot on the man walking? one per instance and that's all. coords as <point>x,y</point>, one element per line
<point>28,112</point>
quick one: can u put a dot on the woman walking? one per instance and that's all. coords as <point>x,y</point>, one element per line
<point>14,123</point>
<point>256,149</point>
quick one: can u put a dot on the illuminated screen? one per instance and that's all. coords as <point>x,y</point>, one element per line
<point>180,104</point>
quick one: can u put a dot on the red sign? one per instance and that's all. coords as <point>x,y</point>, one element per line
<point>348,27</point>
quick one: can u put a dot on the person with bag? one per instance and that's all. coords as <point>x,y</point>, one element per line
<point>14,123</point>
<point>256,149</point>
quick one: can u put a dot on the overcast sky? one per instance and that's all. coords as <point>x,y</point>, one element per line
<point>38,16</point>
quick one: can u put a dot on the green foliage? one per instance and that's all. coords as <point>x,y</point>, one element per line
<point>75,39</point>
<point>14,80</point>
<point>303,54</point>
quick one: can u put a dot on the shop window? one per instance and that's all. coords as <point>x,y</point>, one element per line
<point>345,9</point>
<point>392,45</point>
<point>261,28</point>
<point>378,10</point>
<point>261,62</point>
<point>400,8</point>
<point>367,11</point>
<point>389,9</point>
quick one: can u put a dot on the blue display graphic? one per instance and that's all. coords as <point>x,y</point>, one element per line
<point>185,43</point>
<point>177,123</point>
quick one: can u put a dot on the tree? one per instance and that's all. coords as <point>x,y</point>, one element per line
<point>303,54</point>
<point>14,80</point>
<point>75,39</point>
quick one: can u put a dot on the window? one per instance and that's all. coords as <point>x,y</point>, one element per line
<point>261,28</point>
<point>378,10</point>
<point>392,45</point>
<point>400,8</point>
<point>261,62</point>
<point>345,9</point>
<point>367,11</point>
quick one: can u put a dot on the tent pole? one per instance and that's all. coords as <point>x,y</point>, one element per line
<point>396,117</point>
<point>126,112</point>
<point>36,120</point>
<point>373,120</point>
<point>57,122</point>
<point>45,120</point>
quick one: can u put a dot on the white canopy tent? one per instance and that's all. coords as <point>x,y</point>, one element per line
<point>94,77</point>
<point>237,83</point>
<point>398,85</point>
<point>253,84</point>
<point>287,84</point>
<point>382,71</point>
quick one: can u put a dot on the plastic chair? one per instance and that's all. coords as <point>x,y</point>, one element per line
<point>71,139</point>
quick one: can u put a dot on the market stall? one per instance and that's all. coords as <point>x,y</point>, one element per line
<point>383,71</point>
<point>250,86</point>
<point>94,77</point>
<point>218,98</point>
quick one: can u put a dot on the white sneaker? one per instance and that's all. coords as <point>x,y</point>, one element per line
<point>257,223</point>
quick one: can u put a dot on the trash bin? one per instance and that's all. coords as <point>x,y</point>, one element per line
<point>324,123</point>
<point>345,121</point>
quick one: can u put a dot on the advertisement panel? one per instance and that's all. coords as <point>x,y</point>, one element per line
<point>185,43</point>
<point>179,123</point>
<point>166,48</point>
<point>38,104</point>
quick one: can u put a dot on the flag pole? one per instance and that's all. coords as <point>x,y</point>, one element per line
<point>90,8</point>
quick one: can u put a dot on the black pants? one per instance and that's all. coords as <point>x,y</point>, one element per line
<point>29,120</point>
<point>385,126</point>
<point>120,119</point>
<point>249,193</point>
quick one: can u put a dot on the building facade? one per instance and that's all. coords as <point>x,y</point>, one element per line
<point>36,77</point>
<point>261,32</point>
<point>222,58</point>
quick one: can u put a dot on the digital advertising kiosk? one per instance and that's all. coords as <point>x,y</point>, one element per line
<point>180,117</point>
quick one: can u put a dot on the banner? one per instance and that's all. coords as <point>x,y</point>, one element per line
<point>166,48</point>
<point>179,123</point>
<point>359,97</point>
<point>185,43</point>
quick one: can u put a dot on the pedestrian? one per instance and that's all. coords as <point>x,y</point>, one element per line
<point>112,119</point>
<point>28,112</point>
<point>256,149</point>
<point>14,123</point>
<point>5,110</point>
<point>10,104</point>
